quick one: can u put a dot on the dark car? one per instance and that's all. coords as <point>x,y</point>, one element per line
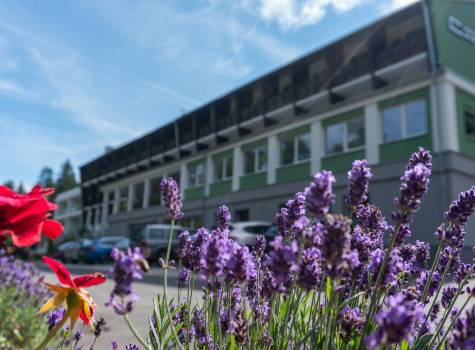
<point>99,250</point>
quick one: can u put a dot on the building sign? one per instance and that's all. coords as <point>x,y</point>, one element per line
<point>461,30</point>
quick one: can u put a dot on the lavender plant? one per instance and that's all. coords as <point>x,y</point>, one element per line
<point>328,281</point>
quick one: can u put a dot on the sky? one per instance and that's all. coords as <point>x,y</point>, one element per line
<point>77,76</point>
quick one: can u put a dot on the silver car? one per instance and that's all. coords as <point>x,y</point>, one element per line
<point>245,232</point>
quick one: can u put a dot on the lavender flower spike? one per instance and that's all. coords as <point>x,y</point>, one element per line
<point>460,209</point>
<point>415,183</point>
<point>224,217</point>
<point>319,195</point>
<point>358,177</point>
<point>172,198</point>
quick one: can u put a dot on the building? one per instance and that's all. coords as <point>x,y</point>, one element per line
<point>404,81</point>
<point>69,211</point>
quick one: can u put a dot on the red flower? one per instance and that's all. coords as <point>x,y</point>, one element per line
<point>72,291</point>
<point>25,216</point>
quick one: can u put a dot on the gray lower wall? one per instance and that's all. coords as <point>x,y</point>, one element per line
<point>452,173</point>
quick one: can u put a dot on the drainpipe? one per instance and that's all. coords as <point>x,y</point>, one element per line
<point>433,65</point>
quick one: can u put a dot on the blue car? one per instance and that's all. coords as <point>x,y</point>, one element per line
<point>99,250</point>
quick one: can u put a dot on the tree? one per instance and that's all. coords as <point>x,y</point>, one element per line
<point>21,189</point>
<point>66,178</point>
<point>10,184</point>
<point>46,177</point>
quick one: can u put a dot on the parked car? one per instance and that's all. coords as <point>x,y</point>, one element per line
<point>245,232</point>
<point>69,252</point>
<point>99,250</point>
<point>153,240</point>
<point>271,233</point>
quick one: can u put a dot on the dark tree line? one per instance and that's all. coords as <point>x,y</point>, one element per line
<point>65,180</point>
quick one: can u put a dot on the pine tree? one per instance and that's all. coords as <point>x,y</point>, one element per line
<point>66,178</point>
<point>21,189</point>
<point>46,177</point>
<point>10,184</point>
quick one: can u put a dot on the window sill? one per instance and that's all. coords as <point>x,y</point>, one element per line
<point>339,154</point>
<point>293,164</point>
<point>405,139</point>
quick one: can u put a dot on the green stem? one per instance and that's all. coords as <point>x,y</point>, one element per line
<point>165,284</point>
<point>453,321</point>
<point>53,332</point>
<point>134,332</point>
<point>447,311</point>
<point>434,265</point>
<point>374,294</point>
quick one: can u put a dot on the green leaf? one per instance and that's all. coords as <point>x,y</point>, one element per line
<point>329,290</point>
<point>404,345</point>
<point>423,341</point>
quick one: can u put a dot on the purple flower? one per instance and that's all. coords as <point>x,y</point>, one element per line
<point>462,335</point>
<point>335,243</point>
<point>396,322</point>
<point>191,249</point>
<point>433,284</point>
<point>461,209</point>
<point>198,329</point>
<point>319,195</point>
<point>310,272</point>
<point>453,236</point>
<point>240,265</point>
<point>281,219</point>
<point>422,255</point>
<point>54,317</point>
<point>403,233</point>
<point>115,345</point>
<point>214,257</point>
<point>296,210</point>
<point>259,247</point>
<point>132,347</point>
<point>462,271</point>
<point>172,198</point>
<point>224,217</point>
<point>415,183</point>
<point>358,178</point>
<point>448,294</point>
<point>350,321</point>
<point>282,261</point>
<point>422,156</point>
<point>183,277</point>
<point>127,268</point>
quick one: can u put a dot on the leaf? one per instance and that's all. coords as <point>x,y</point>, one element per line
<point>404,345</point>
<point>423,341</point>
<point>329,290</point>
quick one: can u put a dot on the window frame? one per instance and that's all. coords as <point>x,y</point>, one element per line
<point>295,150</point>
<point>197,182</point>
<point>403,119</point>
<point>224,163</point>
<point>466,111</point>
<point>345,141</point>
<point>255,159</point>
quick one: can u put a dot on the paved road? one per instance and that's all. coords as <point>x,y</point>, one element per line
<point>116,328</point>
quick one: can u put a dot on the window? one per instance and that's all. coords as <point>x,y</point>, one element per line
<point>294,149</point>
<point>123,199</point>
<point>223,169</point>
<point>470,122</point>
<point>155,193</point>
<point>345,136</point>
<point>255,160</point>
<point>405,120</point>
<point>242,215</point>
<point>196,174</point>
<point>138,195</point>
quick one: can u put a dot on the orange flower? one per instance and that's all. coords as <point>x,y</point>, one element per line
<point>79,302</point>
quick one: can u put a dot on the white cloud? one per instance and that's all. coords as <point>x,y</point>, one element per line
<point>10,87</point>
<point>300,13</point>
<point>392,5</point>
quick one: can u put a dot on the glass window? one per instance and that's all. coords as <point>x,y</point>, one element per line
<point>123,199</point>
<point>356,133</point>
<point>110,202</point>
<point>303,147</point>
<point>138,195</point>
<point>406,120</point>
<point>223,169</point>
<point>286,151</point>
<point>249,162</point>
<point>392,124</point>
<point>334,138</point>
<point>416,118</point>
<point>470,122</point>
<point>157,233</point>
<point>155,193</point>
<point>196,175</point>
<point>255,160</point>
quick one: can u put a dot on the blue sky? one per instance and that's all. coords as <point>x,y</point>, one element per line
<point>76,76</point>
